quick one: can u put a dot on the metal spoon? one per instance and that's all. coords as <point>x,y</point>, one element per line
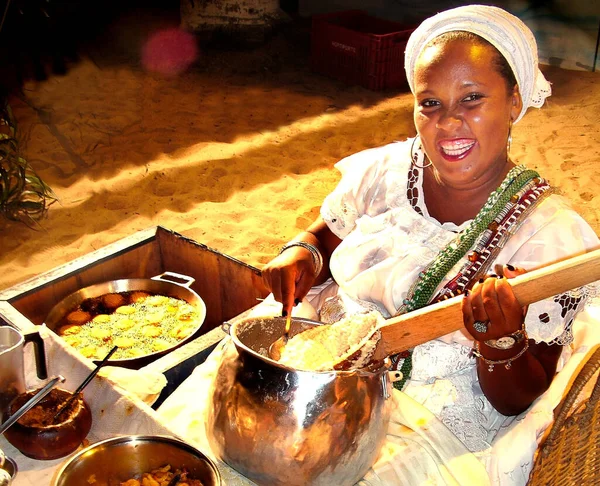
<point>31,402</point>
<point>278,345</point>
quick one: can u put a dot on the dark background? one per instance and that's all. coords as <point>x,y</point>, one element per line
<point>39,37</point>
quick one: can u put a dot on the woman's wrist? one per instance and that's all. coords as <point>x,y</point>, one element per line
<point>492,353</point>
<point>508,341</point>
<point>317,257</point>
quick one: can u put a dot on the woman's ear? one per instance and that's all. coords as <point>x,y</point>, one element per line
<point>516,103</point>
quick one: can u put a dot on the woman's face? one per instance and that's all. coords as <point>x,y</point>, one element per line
<point>463,109</point>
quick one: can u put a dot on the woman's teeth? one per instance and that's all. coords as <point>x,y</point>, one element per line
<point>456,149</point>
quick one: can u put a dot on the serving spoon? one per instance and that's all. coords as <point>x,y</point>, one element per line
<point>29,404</point>
<point>403,332</point>
<point>85,382</point>
<point>274,351</point>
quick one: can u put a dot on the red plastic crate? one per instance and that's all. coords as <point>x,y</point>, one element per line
<point>357,48</point>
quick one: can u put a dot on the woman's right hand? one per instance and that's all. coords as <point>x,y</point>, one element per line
<point>290,276</point>
<point>292,273</point>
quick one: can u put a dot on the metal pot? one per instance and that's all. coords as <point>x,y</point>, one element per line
<point>179,288</point>
<point>280,426</point>
<point>12,367</point>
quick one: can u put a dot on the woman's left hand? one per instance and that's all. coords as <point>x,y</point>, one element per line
<point>491,310</point>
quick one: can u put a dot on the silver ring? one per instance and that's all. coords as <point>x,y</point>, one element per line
<point>481,326</point>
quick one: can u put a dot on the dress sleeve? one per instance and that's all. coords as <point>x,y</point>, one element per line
<point>364,187</point>
<point>552,233</point>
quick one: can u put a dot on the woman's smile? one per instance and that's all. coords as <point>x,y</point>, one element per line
<point>456,149</point>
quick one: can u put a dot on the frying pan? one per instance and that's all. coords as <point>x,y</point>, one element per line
<point>156,285</point>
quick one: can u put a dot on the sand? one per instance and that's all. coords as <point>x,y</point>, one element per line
<point>236,152</point>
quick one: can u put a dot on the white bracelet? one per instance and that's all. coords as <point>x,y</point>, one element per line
<point>314,251</point>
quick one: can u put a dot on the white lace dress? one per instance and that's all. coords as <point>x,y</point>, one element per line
<point>388,239</point>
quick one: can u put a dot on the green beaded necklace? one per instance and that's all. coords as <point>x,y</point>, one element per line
<point>429,279</point>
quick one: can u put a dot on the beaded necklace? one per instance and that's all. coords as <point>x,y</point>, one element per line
<point>429,279</point>
<point>500,217</point>
<point>491,241</point>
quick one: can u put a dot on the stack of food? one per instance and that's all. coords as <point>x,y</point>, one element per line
<point>162,476</point>
<point>138,323</point>
<point>348,343</point>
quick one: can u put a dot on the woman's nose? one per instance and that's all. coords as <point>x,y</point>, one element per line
<point>449,120</point>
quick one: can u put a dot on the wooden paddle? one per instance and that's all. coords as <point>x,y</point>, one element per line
<point>417,327</point>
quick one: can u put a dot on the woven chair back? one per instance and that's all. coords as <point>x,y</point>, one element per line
<point>570,455</point>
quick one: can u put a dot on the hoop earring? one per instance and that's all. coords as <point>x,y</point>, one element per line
<point>414,156</point>
<point>509,141</point>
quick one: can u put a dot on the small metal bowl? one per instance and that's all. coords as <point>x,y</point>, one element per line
<point>9,469</point>
<point>113,461</point>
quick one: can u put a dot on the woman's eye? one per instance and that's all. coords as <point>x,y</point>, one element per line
<point>429,103</point>
<point>473,97</point>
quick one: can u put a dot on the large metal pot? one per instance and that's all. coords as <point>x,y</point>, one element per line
<point>178,287</point>
<point>280,426</point>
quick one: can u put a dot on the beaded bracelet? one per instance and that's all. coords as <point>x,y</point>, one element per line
<point>314,251</point>
<point>506,362</point>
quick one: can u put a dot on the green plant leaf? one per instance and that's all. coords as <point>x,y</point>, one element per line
<point>24,196</point>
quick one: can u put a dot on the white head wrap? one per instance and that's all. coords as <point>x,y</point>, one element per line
<point>503,30</point>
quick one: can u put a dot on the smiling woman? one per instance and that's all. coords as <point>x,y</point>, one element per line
<point>447,213</point>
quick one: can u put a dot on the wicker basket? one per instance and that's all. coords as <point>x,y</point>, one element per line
<point>570,455</point>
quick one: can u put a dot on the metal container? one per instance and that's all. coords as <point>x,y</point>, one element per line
<point>179,288</point>
<point>8,470</point>
<point>280,426</point>
<point>114,461</point>
<point>12,366</point>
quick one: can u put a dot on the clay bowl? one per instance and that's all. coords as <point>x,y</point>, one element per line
<point>113,461</point>
<point>38,437</point>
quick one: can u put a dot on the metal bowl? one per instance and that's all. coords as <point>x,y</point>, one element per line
<point>8,469</point>
<point>113,461</point>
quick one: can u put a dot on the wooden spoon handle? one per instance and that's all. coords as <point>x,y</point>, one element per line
<point>408,330</point>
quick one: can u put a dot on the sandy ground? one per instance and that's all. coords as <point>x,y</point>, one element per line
<point>238,151</point>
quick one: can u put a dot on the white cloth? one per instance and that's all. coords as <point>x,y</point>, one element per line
<point>504,31</point>
<point>420,450</point>
<point>143,383</point>
<point>386,243</point>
